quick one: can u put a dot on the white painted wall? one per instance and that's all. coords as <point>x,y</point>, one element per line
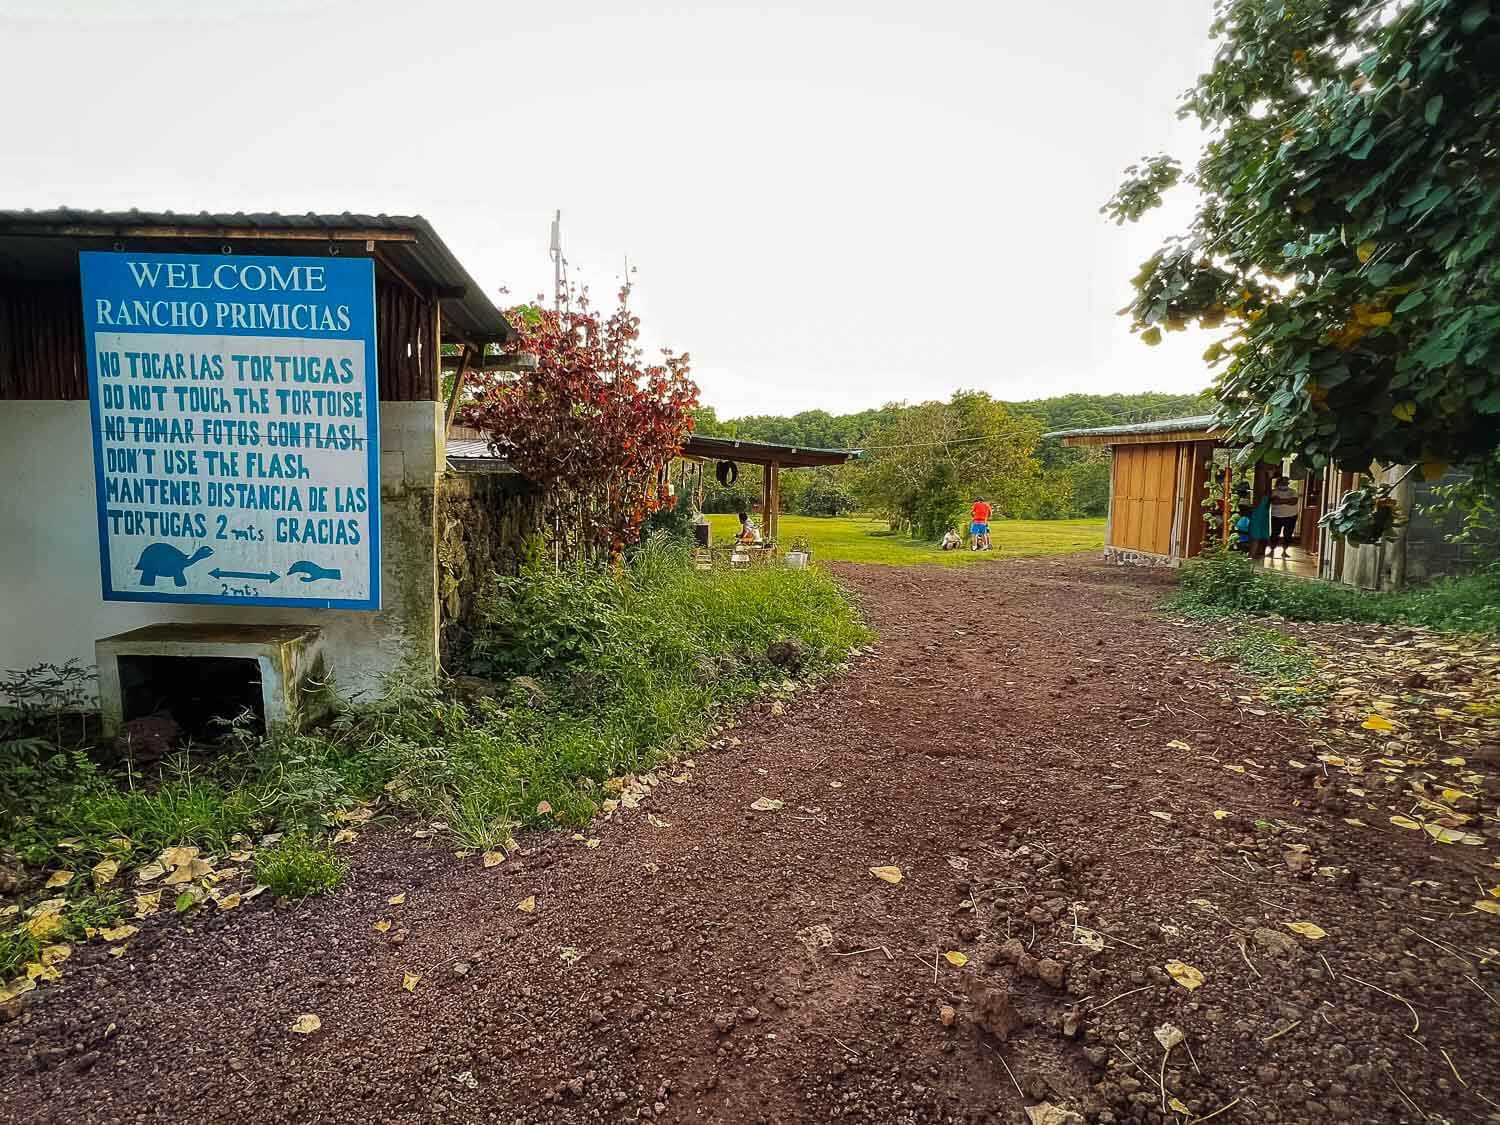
<point>50,605</point>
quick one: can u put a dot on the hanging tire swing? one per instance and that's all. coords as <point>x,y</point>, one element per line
<point>726,473</point>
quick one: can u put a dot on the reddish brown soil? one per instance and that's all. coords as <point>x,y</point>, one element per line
<point>1005,746</point>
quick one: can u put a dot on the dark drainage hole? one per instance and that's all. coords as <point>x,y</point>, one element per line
<point>201,693</point>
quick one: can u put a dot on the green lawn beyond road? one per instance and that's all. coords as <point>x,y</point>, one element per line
<point>864,540</point>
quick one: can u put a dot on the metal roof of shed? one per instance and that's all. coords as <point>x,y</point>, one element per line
<point>43,246</point>
<point>1194,424</point>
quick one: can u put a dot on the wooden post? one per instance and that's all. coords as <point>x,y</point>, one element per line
<point>458,385</point>
<point>774,511</point>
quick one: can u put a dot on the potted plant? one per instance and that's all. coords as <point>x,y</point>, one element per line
<point>798,554</point>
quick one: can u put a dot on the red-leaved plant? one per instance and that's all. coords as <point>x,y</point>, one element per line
<point>594,424</point>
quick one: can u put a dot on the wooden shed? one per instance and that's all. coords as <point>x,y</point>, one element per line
<point>1157,480</point>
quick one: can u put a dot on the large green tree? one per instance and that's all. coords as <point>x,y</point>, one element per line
<point>1346,233</point>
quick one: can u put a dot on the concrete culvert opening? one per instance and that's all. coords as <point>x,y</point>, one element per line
<point>202,693</point>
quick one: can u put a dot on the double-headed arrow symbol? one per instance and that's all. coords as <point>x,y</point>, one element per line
<point>269,577</point>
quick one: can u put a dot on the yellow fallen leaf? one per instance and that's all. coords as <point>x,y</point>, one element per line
<point>1178,744</point>
<point>1355,821</point>
<point>1455,761</point>
<point>765,804</point>
<point>1220,814</point>
<point>527,905</point>
<point>1185,975</point>
<point>229,901</point>
<point>1234,768</point>
<point>397,900</point>
<point>16,988</point>
<point>150,872</point>
<point>306,1024</point>
<point>105,871</point>
<point>117,951</point>
<point>543,808</point>
<point>68,844</point>
<point>1161,815</point>
<point>409,981</point>
<point>1378,722</point>
<point>54,954</point>
<point>1176,1105</point>
<point>1406,822</point>
<point>345,836</point>
<point>889,874</point>
<point>1307,930</point>
<point>1488,905</point>
<point>591,842</point>
<point>956,959</point>
<point>381,926</point>
<point>1451,835</point>
<point>38,971</point>
<point>1494,892</point>
<point>118,933</point>
<point>1365,250</point>
<point>171,858</point>
<point>59,879</point>
<point>353,816</point>
<point>146,905</point>
<point>492,859</point>
<point>44,925</point>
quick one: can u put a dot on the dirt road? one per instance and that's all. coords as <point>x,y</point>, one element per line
<point>1007,747</point>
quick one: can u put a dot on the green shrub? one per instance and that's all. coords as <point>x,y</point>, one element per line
<point>1218,585</point>
<point>17,950</point>
<point>638,664</point>
<point>299,867</point>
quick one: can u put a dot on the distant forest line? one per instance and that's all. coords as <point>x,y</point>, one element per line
<point>924,463</point>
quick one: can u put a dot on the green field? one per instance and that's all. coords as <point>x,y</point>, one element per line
<point>865,540</point>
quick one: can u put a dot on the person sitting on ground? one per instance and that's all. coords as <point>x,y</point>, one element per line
<point>748,533</point>
<point>1242,529</point>
<point>979,528</point>
<point>1285,503</point>
<point>951,541</point>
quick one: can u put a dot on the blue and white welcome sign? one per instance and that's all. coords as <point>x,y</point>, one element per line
<point>236,428</point>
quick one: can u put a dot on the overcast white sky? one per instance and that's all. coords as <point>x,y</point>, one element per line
<point>829,204</point>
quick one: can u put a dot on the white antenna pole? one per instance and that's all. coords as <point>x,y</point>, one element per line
<point>555,249</point>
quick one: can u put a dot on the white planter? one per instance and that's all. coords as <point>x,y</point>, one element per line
<point>798,560</point>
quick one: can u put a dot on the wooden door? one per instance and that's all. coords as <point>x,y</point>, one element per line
<point>1145,496</point>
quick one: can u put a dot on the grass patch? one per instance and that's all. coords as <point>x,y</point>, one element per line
<point>1285,667</point>
<point>862,539</point>
<point>299,867</point>
<point>634,667</point>
<point>17,949</point>
<point>1219,586</point>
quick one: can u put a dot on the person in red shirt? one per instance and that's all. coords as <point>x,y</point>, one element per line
<point>979,525</point>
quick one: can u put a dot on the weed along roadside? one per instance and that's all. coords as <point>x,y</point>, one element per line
<point>582,680</point>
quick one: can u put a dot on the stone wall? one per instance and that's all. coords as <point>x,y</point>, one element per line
<point>484,519</point>
<point>1125,556</point>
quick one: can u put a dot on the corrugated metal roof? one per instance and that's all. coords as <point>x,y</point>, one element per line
<point>468,454</point>
<point>43,245</point>
<point>1193,424</point>
<point>763,453</point>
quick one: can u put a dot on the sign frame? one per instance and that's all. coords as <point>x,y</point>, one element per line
<point>362,330</point>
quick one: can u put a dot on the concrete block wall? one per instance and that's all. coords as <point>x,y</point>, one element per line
<point>50,604</point>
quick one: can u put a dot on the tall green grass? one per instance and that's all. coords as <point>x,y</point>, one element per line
<point>636,666</point>
<point>1224,585</point>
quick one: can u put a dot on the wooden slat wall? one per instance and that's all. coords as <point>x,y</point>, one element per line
<point>404,342</point>
<point>1144,498</point>
<point>41,343</point>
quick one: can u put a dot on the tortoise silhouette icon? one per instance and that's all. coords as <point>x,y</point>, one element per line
<point>162,560</point>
